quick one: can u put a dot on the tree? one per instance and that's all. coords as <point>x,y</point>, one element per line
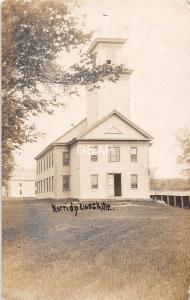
<point>33,33</point>
<point>184,158</point>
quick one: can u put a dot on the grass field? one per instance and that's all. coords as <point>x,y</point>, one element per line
<point>135,252</point>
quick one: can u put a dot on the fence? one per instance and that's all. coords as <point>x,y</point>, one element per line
<point>182,201</point>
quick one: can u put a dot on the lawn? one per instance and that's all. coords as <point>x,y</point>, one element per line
<point>138,251</point>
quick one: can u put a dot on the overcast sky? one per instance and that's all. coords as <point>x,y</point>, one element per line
<point>158,50</point>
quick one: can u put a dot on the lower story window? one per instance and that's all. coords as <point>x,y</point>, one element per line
<point>49,184</point>
<point>52,181</point>
<point>66,182</point>
<point>134,181</point>
<point>94,181</point>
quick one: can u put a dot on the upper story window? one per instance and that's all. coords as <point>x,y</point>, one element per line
<point>66,158</point>
<point>47,165</point>
<point>49,161</point>
<point>94,181</point>
<point>108,61</point>
<point>52,159</point>
<point>94,153</point>
<point>134,181</point>
<point>66,182</point>
<point>133,153</point>
<point>114,153</point>
<point>44,164</point>
<point>20,184</point>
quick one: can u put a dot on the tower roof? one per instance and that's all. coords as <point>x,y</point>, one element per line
<point>105,40</point>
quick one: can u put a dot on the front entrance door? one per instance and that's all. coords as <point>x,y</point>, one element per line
<point>114,184</point>
<point>111,185</point>
<point>117,184</point>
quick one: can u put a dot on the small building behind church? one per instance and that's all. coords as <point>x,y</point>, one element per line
<point>21,185</point>
<point>106,155</point>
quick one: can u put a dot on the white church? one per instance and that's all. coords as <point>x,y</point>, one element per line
<point>106,155</point>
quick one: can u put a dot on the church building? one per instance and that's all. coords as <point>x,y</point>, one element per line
<point>106,155</point>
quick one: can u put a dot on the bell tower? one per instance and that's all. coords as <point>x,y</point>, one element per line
<point>111,96</point>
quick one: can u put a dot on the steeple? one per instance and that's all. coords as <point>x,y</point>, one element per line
<point>111,96</point>
<point>109,49</point>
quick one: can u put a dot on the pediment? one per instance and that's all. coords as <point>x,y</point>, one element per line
<point>114,126</point>
<point>113,130</point>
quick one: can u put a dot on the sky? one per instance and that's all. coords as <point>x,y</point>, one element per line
<point>158,50</point>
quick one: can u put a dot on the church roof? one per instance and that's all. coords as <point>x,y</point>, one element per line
<point>71,133</point>
<point>122,117</point>
<point>65,138</point>
<point>79,131</point>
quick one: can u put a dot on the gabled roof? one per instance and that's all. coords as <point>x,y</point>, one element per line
<point>122,117</point>
<point>66,142</point>
<point>70,137</point>
<point>70,131</point>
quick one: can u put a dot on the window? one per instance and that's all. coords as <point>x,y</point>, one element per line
<point>133,151</point>
<point>66,182</point>
<point>49,161</point>
<point>36,187</point>
<point>52,179</point>
<point>20,192</point>
<point>94,181</point>
<point>134,181</point>
<point>47,166</point>
<point>52,159</point>
<point>44,164</point>
<point>66,158</point>
<point>44,185</point>
<point>20,184</point>
<point>114,153</point>
<point>49,184</point>
<point>47,187</point>
<point>94,153</point>
<point>108,61</point>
